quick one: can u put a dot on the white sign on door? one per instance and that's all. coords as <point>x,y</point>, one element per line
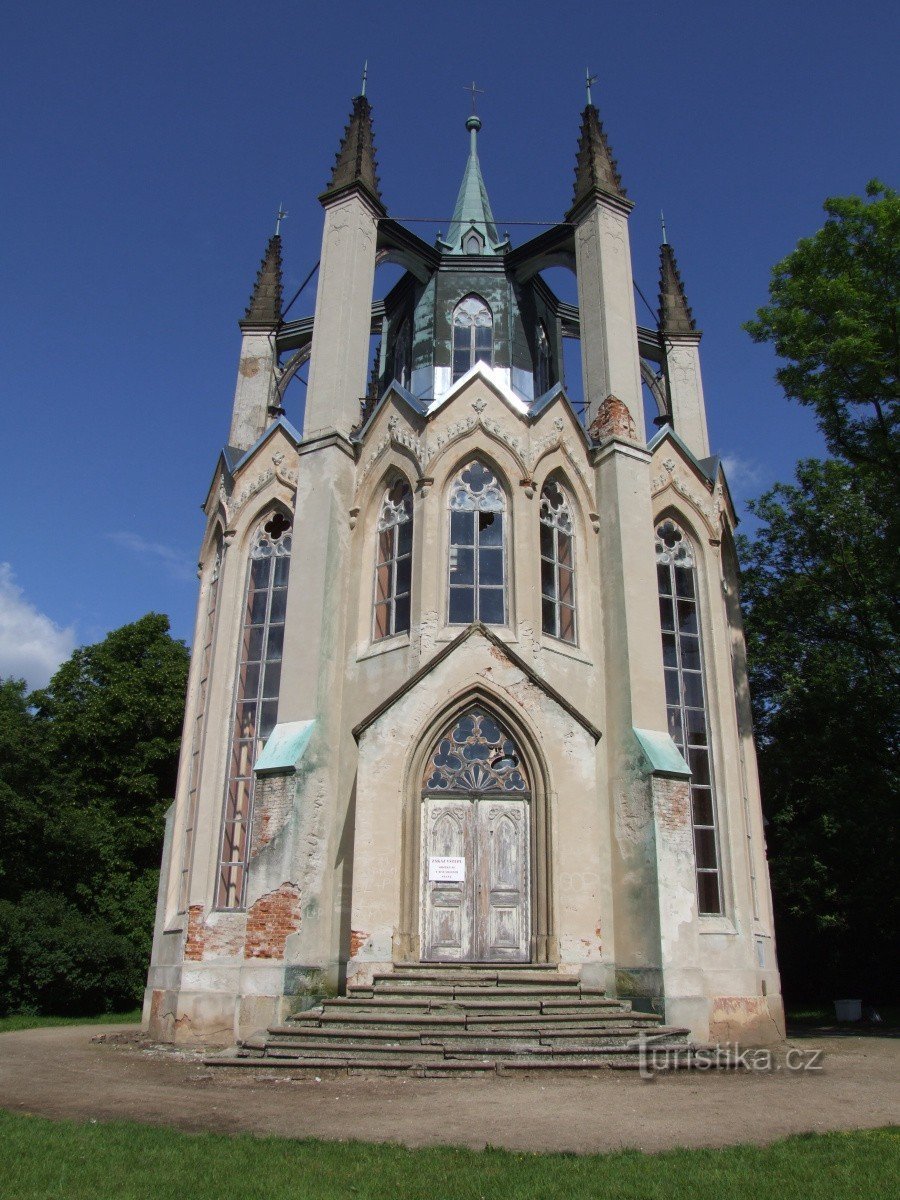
<point>446,870</point>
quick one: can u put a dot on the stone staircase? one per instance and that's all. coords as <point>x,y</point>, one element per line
<point>435,1019</point>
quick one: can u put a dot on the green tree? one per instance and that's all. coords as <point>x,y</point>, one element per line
<point>82,818</point>
<point>822,641</point>
<point>834,317</point>
<point>820,593</point>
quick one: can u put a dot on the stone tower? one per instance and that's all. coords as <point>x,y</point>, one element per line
<point>468,682</point>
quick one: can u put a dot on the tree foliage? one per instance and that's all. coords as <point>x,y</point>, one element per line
<point>820,593</point>
<point>822,639</point>
<point>88,772</point>
<point>834,316</point>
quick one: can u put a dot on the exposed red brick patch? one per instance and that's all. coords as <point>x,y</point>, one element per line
<point>271,920</point>
<point>613,420</point>
<point>223,938</point>
<point>193,946</point>
<point>357,940</point>
<point>673,804</point>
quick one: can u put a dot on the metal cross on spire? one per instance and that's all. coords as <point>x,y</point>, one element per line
<point>588,80</point>
<point>662,221</point>
<point>470,87</point>
<point>365,77</point>
<point>279,218</point>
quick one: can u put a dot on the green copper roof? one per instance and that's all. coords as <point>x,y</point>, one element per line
<point>661,755</point>
<point>473,209</point>
<point>285,747</point>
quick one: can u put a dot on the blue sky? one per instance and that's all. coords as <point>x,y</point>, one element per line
<point>147,149</point>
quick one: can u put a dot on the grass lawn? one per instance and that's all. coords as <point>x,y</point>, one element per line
<point>23,1021</point>
<point>48,1160</point>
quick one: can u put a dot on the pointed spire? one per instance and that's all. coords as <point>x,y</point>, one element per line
<point>595,167</point>
<point>675,316</point>
<point>472,213</point>
<point>264,309</point>
<point>354,164</point>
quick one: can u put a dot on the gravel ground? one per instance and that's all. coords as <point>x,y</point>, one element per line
<point>90,1073</point>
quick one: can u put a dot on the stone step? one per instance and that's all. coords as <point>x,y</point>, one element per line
<point>423,968</point>
<point>436,988</point>
<point>597,1060</point>
<point>492,978</point>
<point>470,1003</point>
<point>500,1019</point>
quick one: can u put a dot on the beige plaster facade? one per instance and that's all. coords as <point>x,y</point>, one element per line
<point>332,873</point>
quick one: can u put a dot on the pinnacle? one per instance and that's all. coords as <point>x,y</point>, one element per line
<point>675,316</point>
<point>265,302</point>
<point>355,160</point>
<point>595,167</point>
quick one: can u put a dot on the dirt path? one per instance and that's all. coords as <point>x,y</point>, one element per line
<point>63,1073</point>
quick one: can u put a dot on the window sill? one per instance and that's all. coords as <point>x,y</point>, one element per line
<point>566,649</point>
<point>384,646</point>
<point>712,924</point>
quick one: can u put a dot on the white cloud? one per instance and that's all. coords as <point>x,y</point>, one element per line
<point>178,565</point>
<point>31,645</point>
<point>742,474</point>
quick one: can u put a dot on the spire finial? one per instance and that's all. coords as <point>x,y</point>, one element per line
<point>365,77</point>
<point>470,87</point>
<point>588,80</point>
<point>279,218</point>
<point>662,221</point>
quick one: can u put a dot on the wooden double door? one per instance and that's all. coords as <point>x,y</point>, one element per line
<point>475,879</point>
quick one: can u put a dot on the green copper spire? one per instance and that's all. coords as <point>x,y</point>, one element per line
<point>472,229</point>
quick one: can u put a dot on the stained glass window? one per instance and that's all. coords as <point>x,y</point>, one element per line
<point>557,564</point>
<point>476,756</point>
<point>256,696</point>
<point>686,699</point>
<point>393,561</point>
<point>212,594</point>
<point>477,548</point>
<point>473,335</point>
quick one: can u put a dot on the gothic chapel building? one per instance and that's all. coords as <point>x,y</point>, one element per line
<point>469,681</point>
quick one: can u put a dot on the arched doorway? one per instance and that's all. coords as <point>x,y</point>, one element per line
<point>476,845</point>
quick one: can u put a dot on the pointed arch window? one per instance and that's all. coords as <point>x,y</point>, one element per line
<point>686,700</point>
<point>542,374</point>
<point>256,696</point>
<point>403,355</point>
<point>477,547</point>
<point>475,757</point>
<point>209,626</point>
<point>557,564</point>
<point>393,562</point>
<point>473,335</point>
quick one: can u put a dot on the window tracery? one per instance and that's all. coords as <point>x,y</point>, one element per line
<point>256,697</point>
<point>477,558</point>
<point>557,563</point>
<point>393,561</point>
<point>476,756</point>
<point>686,700</point>
<point>473,335</point>
<point>212,595</point>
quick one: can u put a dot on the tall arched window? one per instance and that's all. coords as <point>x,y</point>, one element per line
<point>212,596</point>
<point>403,355</point>
<point>256,696</point>
<point>473,335</point>
<point>542,374</point>
<point>393,561</point>
<point>686,699</point>
<point>477,547</point>
<point>557,564</point>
